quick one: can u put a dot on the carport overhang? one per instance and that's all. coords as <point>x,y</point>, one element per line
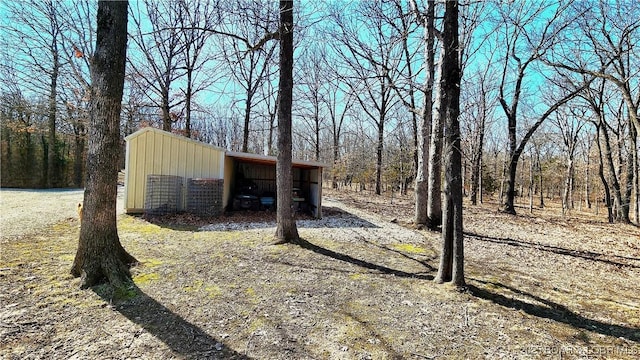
<point>310,175</point>
<point>272,160</point>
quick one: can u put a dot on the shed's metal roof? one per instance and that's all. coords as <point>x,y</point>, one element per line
<point>242,156</point>
<point>271,160</point>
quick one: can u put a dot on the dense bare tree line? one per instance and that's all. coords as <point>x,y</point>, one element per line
<point>545,91</point>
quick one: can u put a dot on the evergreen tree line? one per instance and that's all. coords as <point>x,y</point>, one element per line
<point>26,147</point>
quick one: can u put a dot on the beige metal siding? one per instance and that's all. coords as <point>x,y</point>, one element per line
<point>152,151</point>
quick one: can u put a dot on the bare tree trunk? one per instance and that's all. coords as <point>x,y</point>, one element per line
<point>540,182</point>
<point>605,185</point>
<point>587,186</point>
<point>567,196</point>
<point>475,180</point>
<point>632,173</point>
<point>635,169</point>
<point>571,185</point>
<point>193,19</point>
<point>286,230</point>
<point>272,120</point>
<point>452,255</point>
<point>247,118</point>
<point>335,148</point>
<point>510,194</point>
<point>100,255</point>
<point>166,111</point>
<point>79,148</point>
<point>618,214</point>
<point>336,126</point>
<point>434,202</point>
<point>161,47</point>
<point>464,176</point>
<point>52,154</point>
<point>424,128</point>
<point>636,183</point>
<point>480,192</point>
<point>316,121</point>
<point>502,179</point>
<point>188,95</point>
<point>531,180</point>
<point>379,150</point>
<point>476,165</point>
<point>412,89</point>
<point>544,40</point>
<point>6,161</point>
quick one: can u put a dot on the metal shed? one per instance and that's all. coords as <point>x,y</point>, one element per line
<point>155,153</point>
<point>156,159</point>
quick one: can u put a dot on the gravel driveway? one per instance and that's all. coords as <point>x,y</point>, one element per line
<point>26,211</point>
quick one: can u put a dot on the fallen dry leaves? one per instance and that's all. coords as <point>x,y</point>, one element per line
<point>357,287</point>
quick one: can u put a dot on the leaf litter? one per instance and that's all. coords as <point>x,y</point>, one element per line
<point>358,286</point>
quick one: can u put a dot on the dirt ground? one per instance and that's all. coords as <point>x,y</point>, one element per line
<point>359,286</point>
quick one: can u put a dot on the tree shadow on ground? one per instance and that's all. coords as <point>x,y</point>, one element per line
<point>374,333</point>
<point>622,261</point>
<point>335,217</point>
<point>182,337</point>
<point>424,262</point>
<point>552,311</point>
<point>362,263</point>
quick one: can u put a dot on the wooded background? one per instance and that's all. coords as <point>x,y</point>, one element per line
<point>549,96</point>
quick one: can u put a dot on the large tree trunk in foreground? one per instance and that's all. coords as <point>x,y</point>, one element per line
<point>100,256</point>
<point>286,230</point>
<point>452,255</point>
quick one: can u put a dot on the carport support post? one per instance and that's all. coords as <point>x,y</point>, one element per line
<point>319,195</point>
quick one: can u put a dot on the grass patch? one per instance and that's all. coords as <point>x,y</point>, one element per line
<point>131,224</point>
<point>150,263</point>
<point>116,295</point>
<point>411,249</point>
<point>348,293</point>
<point>144,279</point>
<point>356,276</point>
<point>213,291</point>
